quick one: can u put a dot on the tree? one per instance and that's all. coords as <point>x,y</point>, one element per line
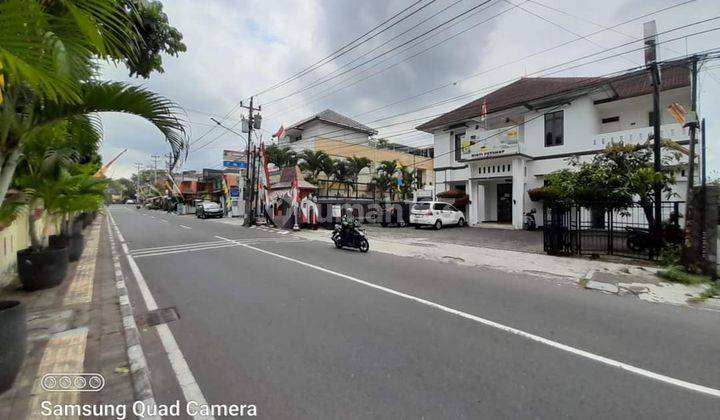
<point>282,157</point>
<point>382,184</point>
<point>48,73</point>
<point>356,166</point>
<point>614,179</point>
<point>154,34</point>
<point>314,162</point>
<point>342,173</point>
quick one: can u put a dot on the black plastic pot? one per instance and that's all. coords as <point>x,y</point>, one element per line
<point>13,338</point>
<point>42,269</point>
<point>77,227</point>
<point>74,245</point>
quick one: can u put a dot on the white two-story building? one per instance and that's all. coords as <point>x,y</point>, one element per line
<point>499,146</point>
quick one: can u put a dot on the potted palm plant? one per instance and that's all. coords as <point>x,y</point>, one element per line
<point>13,339</point>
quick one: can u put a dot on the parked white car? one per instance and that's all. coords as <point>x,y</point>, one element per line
<point>435,213</point>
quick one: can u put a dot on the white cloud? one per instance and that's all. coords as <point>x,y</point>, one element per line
<point>238,48</point>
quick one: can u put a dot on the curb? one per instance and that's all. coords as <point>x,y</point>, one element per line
<point>136,356</point>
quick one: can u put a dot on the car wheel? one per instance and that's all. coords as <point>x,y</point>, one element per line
<point>461,222</point>
<point>438,225</point>
<point>402,223</point>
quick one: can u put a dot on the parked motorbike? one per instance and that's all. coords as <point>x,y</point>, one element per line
<point>641,239</point>
<point>354,239</point>
<point>529,223</point>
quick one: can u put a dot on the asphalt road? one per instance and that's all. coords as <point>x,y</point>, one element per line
<point>303,330</point>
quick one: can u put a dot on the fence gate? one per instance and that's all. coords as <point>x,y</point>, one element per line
<point>597,230</point>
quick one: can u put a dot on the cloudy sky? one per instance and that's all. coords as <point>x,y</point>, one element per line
<point>237,48</point>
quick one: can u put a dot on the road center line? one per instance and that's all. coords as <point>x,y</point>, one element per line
<point>185,227</point>
<point>188,384</point>
<point>551,343</point>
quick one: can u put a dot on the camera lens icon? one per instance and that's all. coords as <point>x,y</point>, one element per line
<point>77,382</point>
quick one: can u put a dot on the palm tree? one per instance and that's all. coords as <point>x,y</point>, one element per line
<point>342,173</point>
<point>48,52</point>
<point>282,157</point>
<point>357,165</point>
<point>313,162</point>
<point>382,183</point>
<point>389,167</point>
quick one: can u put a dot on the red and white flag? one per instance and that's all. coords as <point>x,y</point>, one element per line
<point>280,132</point>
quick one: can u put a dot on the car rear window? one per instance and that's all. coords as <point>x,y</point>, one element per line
<point>421,206</point>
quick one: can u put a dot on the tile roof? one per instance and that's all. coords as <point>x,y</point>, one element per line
<point>287,176</point>
<point>528,89</point>
<point>335,118</point>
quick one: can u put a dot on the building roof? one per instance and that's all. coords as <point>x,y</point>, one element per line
<point>332,117</point>
<point>530,89</point>
<point>287,177</point>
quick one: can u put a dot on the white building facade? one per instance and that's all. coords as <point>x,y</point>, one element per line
<point>502,145</point>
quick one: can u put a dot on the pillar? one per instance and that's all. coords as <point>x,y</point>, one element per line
<point>518,192</point>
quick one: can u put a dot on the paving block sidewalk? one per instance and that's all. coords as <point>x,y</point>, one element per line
<point>76,327</point>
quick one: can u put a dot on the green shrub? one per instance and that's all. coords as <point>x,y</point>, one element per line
<point>677,275</point>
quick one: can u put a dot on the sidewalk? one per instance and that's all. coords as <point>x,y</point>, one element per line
<point>76,327</point>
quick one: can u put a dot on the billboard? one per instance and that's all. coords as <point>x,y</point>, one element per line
<point>488,144</point>
<point>234,159</point>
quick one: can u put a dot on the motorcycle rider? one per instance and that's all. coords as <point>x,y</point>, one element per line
<point>348,224</point>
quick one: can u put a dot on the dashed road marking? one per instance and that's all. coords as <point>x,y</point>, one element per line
<point>185,227</point>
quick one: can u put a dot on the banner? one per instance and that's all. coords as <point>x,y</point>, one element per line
<point>234,159</point>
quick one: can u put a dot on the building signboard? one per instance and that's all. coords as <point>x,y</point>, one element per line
<point>490,144</point>
<point>234,159</point>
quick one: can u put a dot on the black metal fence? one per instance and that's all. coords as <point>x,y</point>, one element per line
<point>589,230</point>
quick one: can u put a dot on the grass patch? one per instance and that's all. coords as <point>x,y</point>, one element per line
<point>677,275</point>
<point>712,292</point>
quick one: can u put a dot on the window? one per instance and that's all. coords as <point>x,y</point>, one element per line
<point>554,129</point>
<point>421,206</point>
<point>610,120</point>
<point>458,145</point>
<point>439,206</point>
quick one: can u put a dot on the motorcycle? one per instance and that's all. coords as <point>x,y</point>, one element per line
<point>355,238</point>
<point>529,223</point>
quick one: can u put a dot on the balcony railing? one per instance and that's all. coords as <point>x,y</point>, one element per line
<point>673,132</point>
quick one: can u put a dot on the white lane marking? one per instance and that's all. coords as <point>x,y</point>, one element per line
<point>252,227</point>
<point>188,384</point>
<point>163,220</point>
<point>551,343</point>
<point>185,227</point>
<point>178,251</point>
<point>284,232</point>
<point>191,244</point>
<point>209,246</point>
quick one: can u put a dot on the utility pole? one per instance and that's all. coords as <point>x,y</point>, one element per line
<point>692,246</point>
<point>155,159</point>
<point>650,35</point>
<point>253,121</point>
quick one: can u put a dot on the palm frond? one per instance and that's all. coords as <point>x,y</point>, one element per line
<point>99,97</point>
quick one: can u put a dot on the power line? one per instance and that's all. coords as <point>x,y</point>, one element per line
<point>319,81</point>
<point>454,83</point>
<point>537,73</point>
<point>342,50</point>
<point>343,83</point>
